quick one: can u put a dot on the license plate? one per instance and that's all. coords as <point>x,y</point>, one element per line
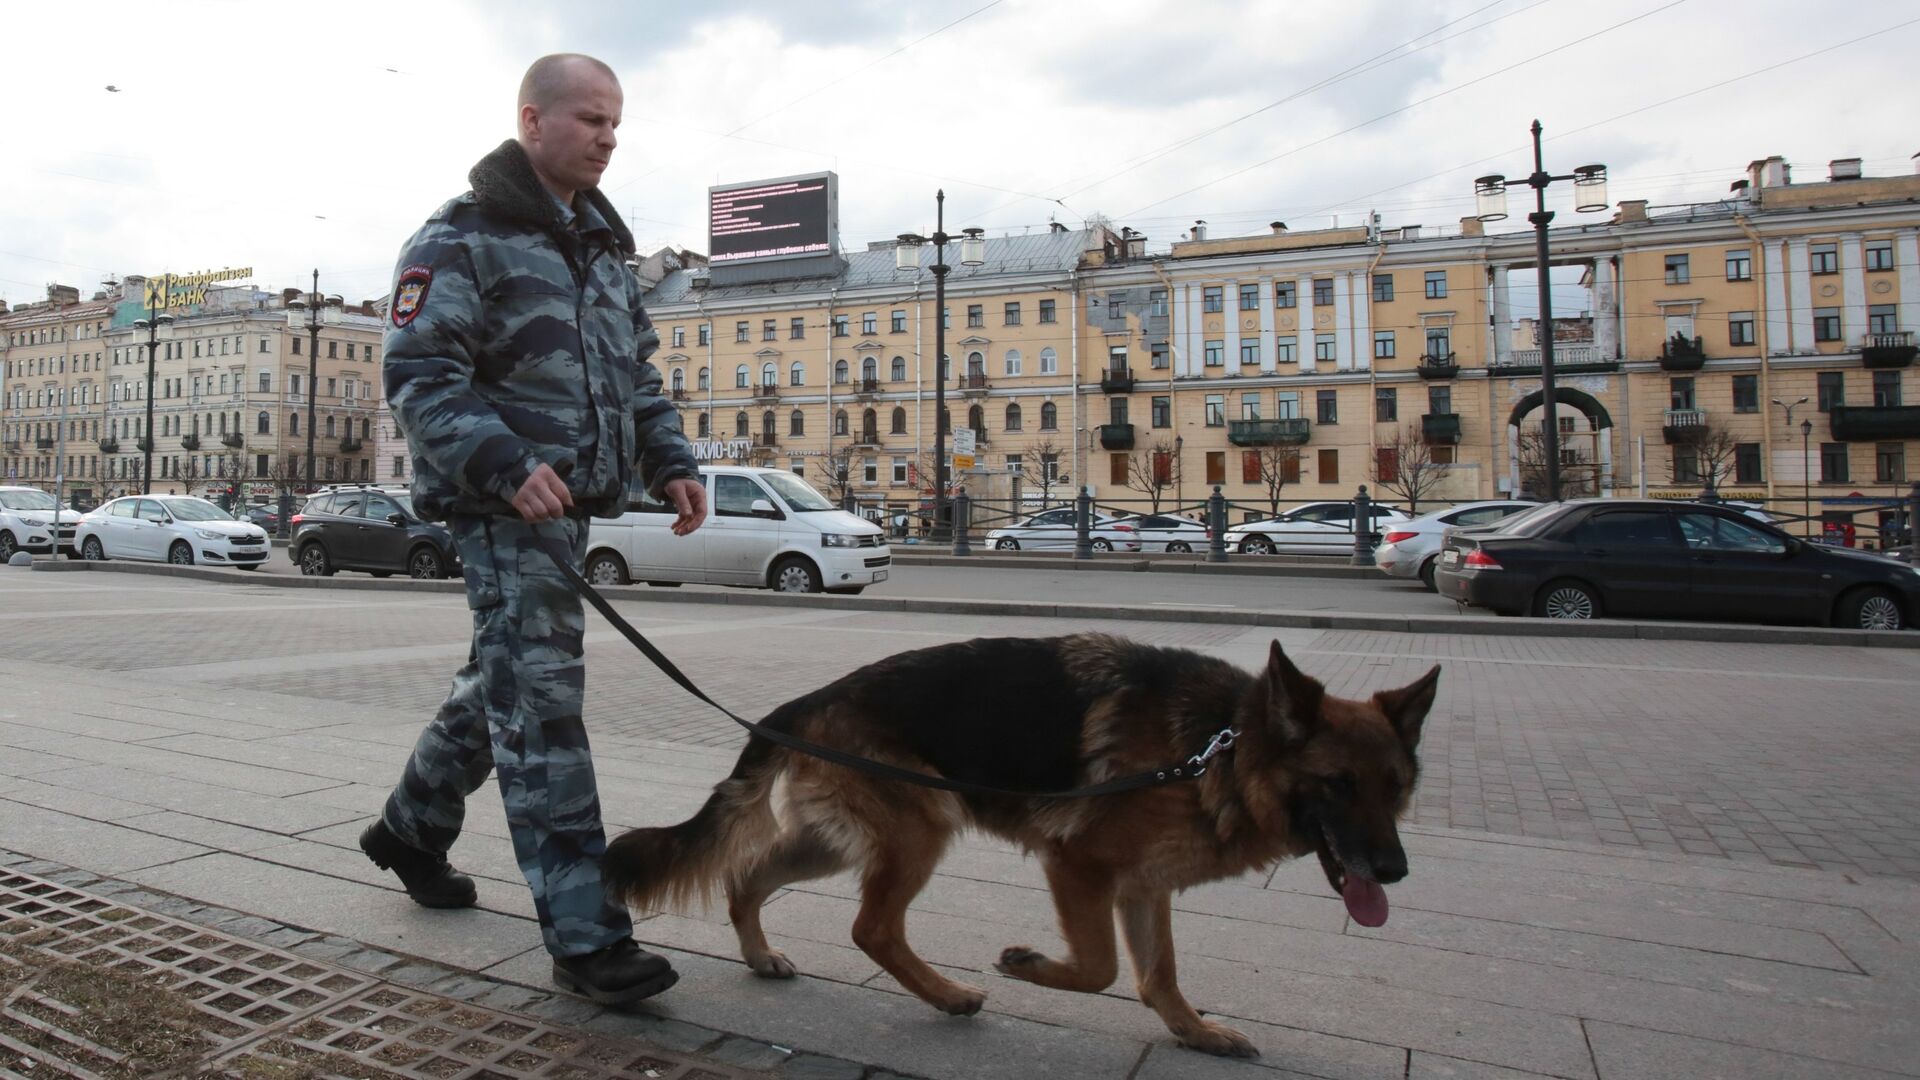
<point>879,575</point>
<point>1450,558</point>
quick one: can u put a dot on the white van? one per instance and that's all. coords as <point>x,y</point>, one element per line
<point>765,529</point>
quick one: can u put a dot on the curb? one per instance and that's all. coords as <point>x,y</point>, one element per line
<point>1473,625</point>
<point>1268,566</point>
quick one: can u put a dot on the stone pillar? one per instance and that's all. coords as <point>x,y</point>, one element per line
<point>1606,310</point>
<point>1800,296</point>
<point>1502,325</point>
<point>1266,326</point>
<point>1853,291</point>
<point>1303,295</point>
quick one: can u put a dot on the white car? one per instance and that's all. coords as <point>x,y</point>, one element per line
<point>1054,530</point>
<point>1315,528</point>
<point>1165,532</point>
<point>1410,548</point>
<point>765,529</point>
<point>177,529</point>
<point>26,522</point>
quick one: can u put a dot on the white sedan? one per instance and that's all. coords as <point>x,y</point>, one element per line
<point>1053,530</point>
<point>1316,528</point>
<point>1165,532</point>
<point>178,529</point>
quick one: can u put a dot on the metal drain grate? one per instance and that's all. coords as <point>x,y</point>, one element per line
<point>249,1005</point>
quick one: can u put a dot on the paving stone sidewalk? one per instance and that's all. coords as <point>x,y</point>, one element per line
<point>235,770</point>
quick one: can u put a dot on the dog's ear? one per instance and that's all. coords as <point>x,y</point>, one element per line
<point>1293,697</point>
<point>1406,708</point>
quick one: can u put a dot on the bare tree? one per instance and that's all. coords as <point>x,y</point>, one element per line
<point>1153,470</point>
<point>1714,449</point>
<point>188,473</point>
<point>1279,466</point>
<point>1576,467</point>
<point>836,473</point>
<point>1040,468</point>
<point>1405,467</point>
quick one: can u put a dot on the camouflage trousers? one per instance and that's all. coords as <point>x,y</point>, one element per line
<point>515,709</point>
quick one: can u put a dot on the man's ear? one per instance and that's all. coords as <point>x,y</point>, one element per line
<point>1293,697</point>
<point>1406,708</point>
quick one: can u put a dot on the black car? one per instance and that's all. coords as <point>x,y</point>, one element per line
<point>264,516</point>
<point>369,529</point>
<point>1593,557</point>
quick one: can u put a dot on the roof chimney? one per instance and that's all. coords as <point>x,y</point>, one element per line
<point>1409,232</point>
<point>1279,227</point>
<point>1631,210</point>
<point>1199,230</point>
<point>1135,241</point>
<point>1056,227</point>
<point>1769,173</point>
<point>1846,168</point>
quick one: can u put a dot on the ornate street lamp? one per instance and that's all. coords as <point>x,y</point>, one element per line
<point>906,256</point>
<point>159,328</point>
<point>309,313</point>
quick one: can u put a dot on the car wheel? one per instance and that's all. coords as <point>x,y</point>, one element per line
<point>1567,599</point>
<point>424,564</point>
<point>314,561</point>
<point>92,551</point>
<point>1102,545</point>
<point>1426,574</point>
<point>1180,547</point>
<point>180,554</point>
<point>7,546</point>
<point>794,574</point>
<point>1007,543</point>
<point>1869,609</point>
<point>607,568</point>
<point>1256,545</point>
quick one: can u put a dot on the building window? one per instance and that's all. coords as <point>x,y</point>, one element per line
<point>1216,353</point>
<point>1250,406</point>
<point>1013,361</point>
<point>1440,400</point>
<point>1284,294</point>
<point>1883,319</point>
<point>870,322</point>
<point>796,374</point>
<point>840,372</point>
<point>1216,466</point>
<point>1329,467</point>
<point>898,324</point>
<point>1049,361</point>
<point>1249,350</point>
<point>1014,419</point>
<point>1686,465</point>
<point>1216,410</point>
<point>262,424</point>
<point>1046,311</point>
<point>1383,345</point>
<point>841,326</point>
<point>1324,347</point>
<point>1879,254</point>
<point>679,337</point>
<point>1328,406</point>
<point>1382,288</point>
<point>1322,292</point>
<point>1679,395</point>
<point>705,381</point>
<point>770,375</point>
<point>976,315</point>
<point>1049,417</point>
<point>1117,469</point>
<point>740,331</point>
<point>1746,393</point>
<point>1739,327</point>
<point>705,334</point>
<point>296,348</point>
<point>1746,464</point>
<point>1439,343</point>
<point>1386,404</point>
<point>1826,258</point>
<point>1833,463</point>
<point>1436,284</point>
<point>1886,389</point>
<point>797,328</point>
<point>899,419</point>
<point>769,329</point>
<point>1213,298</point>
<point>898,371</point>
<point>741,378</point>
<point>1012,314</point>
<point>1249,298</point>
<point>1826,324</point>
<point>1740,265</point>
<point>1286,349</point>
<point>1890,463</point>
<point>1162,412</point>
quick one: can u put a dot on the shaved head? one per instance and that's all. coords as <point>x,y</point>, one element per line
<point>569,107</point>
<point>551,78</point>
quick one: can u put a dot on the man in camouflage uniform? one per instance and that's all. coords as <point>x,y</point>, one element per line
<point>516,364</point>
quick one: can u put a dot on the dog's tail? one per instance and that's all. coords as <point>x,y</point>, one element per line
<point>675,866</point>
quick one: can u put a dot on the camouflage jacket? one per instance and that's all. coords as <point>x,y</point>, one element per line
<point>513,340</point>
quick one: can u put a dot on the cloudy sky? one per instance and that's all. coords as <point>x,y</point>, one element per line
<point>288,137</point>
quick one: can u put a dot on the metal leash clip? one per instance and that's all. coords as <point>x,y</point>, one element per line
<point>1223,740</point>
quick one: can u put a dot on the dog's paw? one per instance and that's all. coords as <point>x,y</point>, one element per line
<point>1219,1039</point>
<point>959,999</point>
<point>773,965</point>
<point>1019,961</point>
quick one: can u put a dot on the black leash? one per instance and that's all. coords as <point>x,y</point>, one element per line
<point>1193,768</point>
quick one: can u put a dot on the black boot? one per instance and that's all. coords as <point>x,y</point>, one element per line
<point>429,880</point>
<point>620,973</point>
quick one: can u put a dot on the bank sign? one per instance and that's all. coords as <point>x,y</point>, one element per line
<point>185,290</point>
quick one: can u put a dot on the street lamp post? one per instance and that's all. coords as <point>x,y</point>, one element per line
<point>1806,471</point>
<point>1590,194</point>
<point>159,328</point>
<point>318,311</point>
<point>906,254</point>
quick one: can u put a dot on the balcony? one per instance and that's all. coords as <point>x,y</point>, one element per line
<point>1117,381</point>
<point>43,444</point>
<point>767,393</point>
<point>1291,432</point>
<point>109,446</point>
<point>1894,350</point>
<point>766,440</point>
<point>1678,353</point>
<point>974,384</point>
<point>678,393</point>
<point>1438,367</point>
<point>190,442</point>
<point>1567,360</point>
<point>13,447</point>
<point>350,445</point>
<point>1440,429</point>
<point>1862,423</point>
<point>1116,436</point>
<point>233,440</point>
<point>1684,426</point>
<point>866,388</point>
<point>866,438</point>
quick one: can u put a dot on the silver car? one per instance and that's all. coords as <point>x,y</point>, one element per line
<point>1410,547</point>
<point>1055,530</point>
<point>1165,532</point>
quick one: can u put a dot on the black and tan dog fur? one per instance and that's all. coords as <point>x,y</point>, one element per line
<point>1310,772</point>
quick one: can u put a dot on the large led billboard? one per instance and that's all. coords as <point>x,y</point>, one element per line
<point>793,217</point>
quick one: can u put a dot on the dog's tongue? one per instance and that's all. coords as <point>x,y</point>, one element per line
<point>1366,900</point>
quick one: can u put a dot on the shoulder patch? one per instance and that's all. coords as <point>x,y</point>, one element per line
<point>410,294</point>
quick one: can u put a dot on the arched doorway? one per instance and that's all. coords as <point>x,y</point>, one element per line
<point>1586,449</point>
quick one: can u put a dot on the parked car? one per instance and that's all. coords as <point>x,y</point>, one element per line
<point>26,523</point>
<point>1055,530</point>
<point>1315,528</point>
<point>1594,557</point>
<point>178,529</point>
<point>1410,548</point>
<point>267,517</point>
<point>765,529</point>
<point>1165,532</point>
<point>370,529</point>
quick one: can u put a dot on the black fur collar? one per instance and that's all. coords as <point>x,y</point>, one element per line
<point>505,184</point>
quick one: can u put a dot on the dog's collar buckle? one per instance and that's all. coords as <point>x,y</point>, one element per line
<point>1222,740</point>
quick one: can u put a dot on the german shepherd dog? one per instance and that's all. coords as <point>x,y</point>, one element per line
<point>1308,772</point>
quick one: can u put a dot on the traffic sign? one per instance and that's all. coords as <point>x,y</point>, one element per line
<point>963,447</point>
